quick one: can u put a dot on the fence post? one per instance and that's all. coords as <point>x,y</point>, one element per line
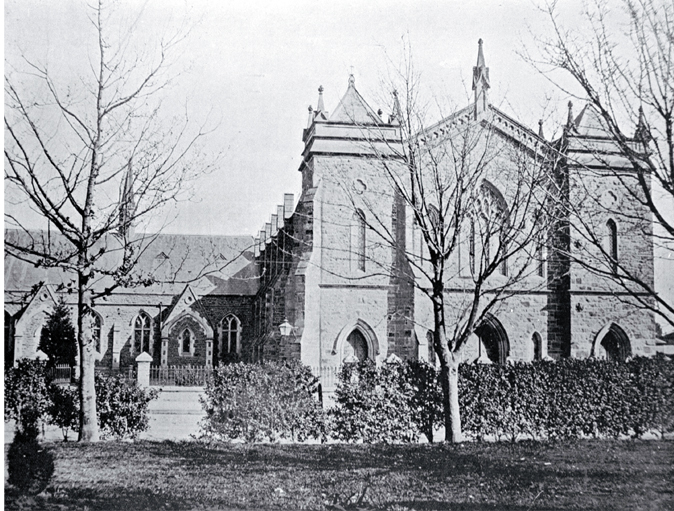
<point>143,360</point>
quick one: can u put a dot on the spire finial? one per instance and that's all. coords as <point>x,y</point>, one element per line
<point>569,119</point>
<point>127,203</point>
<point>642,133</point>
<point>320,107</point>
<point>352,80</point>
<point>540,129</point>
<point>311,116</point>
<point>480,81</point>
<point>396,114</point>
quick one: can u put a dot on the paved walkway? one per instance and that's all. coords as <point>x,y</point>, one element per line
<point>174,415</point>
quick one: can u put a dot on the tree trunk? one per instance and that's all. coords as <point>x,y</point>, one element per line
<point>452,411</point>
<point>87,389</point>
<point>449,370</point>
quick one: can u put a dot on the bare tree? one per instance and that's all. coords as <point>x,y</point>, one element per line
<point>472,196</point>
<point>620,60</point>
<point>93,157</point>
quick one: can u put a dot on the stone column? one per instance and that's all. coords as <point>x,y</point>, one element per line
<point>209,352</point>
<point>164,351</point>
<point>143,361</point>
<point>116,347</point>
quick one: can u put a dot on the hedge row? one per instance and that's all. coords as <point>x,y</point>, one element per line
<point>262,402</point>
<point>569,398</point>
<point>30,397</point>
<point>397,402</point>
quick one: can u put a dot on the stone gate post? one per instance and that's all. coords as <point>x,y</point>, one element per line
<point>143,361</point>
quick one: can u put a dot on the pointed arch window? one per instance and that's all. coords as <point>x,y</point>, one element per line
<point>230,335</point>
<point>540,259</point>
<point>612,248</point>
<point>471,247</point>
<point>538,346</point>
<point>358,240</point>
<point>491,216</point>
<point>142,333</point>
<point>186,342</point>
<point>96,324</point>
<point>504,262</point>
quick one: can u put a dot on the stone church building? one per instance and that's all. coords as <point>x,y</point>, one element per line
<point>311,284</point>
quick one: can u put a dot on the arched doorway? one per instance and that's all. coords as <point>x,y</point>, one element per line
<point>355,347</point>
<point>616,343</point>
<point>494,338</point>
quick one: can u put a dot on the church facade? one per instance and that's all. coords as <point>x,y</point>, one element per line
<point>316,285</point>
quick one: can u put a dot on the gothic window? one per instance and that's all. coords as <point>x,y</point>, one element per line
<point>96,325</point>
<point>471,247</point>
<point>612,247</point>
<point>142,333</point>
<point>540,260</point>
<point>538,346</point>
<point>417,241</point>
<point>358,241</point>
<point>504,262</point>
<point>230,335</point>
<point>186,342</point>
<point>489,223</point>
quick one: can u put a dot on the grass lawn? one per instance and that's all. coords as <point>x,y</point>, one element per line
<point>167,475</point>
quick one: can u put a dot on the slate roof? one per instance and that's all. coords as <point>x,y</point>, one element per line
<point>589,123</point>
<point>211,264</point>
<point>353,109</point>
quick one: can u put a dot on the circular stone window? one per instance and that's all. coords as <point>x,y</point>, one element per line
<point>359,186</point>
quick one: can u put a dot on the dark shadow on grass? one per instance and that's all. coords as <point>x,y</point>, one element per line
<point>421,477</point>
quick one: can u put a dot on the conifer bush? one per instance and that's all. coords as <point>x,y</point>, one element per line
<point>58,339</point>
<point>26,393</point>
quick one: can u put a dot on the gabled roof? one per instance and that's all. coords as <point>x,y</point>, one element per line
<point>211,260</point>
<point>353,109</point>
<point>505,124</point>
<point>589,123</point>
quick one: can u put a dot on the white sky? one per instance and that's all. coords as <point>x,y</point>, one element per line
<point>256,66</point>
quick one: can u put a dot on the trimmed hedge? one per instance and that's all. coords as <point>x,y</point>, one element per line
<point>568,398</point>
<point>398,401</point>
<point>374,404</point>
<point>267,402</point>
<point>542,400</point>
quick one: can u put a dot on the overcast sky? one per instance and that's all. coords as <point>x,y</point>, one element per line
<point>255,67</point>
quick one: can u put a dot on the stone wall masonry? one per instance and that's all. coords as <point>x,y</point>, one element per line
<point>601,197</point>
<point>591,313</point>
<point>217,307</point>
<point>521,316</point>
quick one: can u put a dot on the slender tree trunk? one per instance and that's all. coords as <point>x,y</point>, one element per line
<point>453,418</point>
<point>87,389</point>
<point>449,372</point>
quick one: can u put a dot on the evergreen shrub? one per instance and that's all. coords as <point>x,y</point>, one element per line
<point>63,409</point>
<point>374,404</point>
<point>263,402</point>
<point>122,407</point>
<point>26,393</point>
<point>570,398</point>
